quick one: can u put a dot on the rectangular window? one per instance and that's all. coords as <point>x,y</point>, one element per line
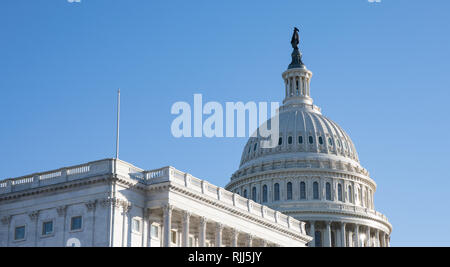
<point>174,237</point>
<point>19,233</point>
<point>136,225</point>
<point>76,223</point>
<point>47,228</point>
<point>191,241</point>
<point>154,231</point>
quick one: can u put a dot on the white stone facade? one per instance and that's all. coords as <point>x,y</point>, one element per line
<point>113,203</point>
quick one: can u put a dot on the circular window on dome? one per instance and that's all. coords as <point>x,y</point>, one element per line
<point>290,140</point>
<point>300,139</point>
<point>320,140</point>
<point>280,141</point>
<point>330,142</point>
<point>310,139</point>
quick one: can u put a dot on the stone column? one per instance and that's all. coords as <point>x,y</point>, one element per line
<point>234,238</point>
<point>343,239</point>
<point>368,237</point>
<point>377,238</point>
<point>202,232</point>
<point>167,224</point>
<point>357,235</point>
<point>186,220</point>
<point>219,228</point>
<point>327,234</point>
<point>249,240</point>
<point>312,232</point>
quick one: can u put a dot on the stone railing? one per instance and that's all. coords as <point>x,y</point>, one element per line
<point>342,208</point>
<point>220,194</point>
<point>56,176</point>
<point>166,174</point>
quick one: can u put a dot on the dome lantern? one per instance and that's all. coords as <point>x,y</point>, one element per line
<point>297,77</point>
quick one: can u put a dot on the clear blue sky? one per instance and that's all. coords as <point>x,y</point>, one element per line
<point>380,71</point>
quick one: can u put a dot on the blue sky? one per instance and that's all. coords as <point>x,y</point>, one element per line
<point>380,71</point>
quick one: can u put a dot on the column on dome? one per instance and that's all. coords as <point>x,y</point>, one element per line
<point>167,218</point>
<point>377,238</point>
<point>312,233</point>
<point>368,237</point>
<point>357,235</point>
<point>327,234</point>
<point>343,240</point>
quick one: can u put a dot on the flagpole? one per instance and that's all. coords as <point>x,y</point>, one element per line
<point>118,123</point>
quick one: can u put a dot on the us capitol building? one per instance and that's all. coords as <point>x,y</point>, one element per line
<point>309,190</point>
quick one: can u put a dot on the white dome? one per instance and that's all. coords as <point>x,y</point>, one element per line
<point>304,131</point>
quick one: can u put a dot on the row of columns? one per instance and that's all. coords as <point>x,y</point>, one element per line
<point>297,86</point>
<point>202,231</point>
<point>381,238</point>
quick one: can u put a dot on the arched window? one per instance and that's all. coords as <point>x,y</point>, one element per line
<point>254,148</point>
<point>280,141</point>
<point>350,196</point>
<point>339,192</point>
<point>311,140</point>
<point>300,139</point>
<point>245,193</point>
<point>320,140</point>
<point>330,142</point>
<point>316,190</point>
<point>264,193</point>
<point>302,190</point>
<point>318,239</point>
<point>254,194</point>
<point>328,191</point>
<point>289,190</point>
<point>290,140</point>
<point>249,148</point>
<point>276,192</point>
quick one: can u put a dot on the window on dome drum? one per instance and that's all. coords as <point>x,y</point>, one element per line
<point>254,194</point>
<point>154,231</point>
<point>289,190</point>
<point>302,190</point>
<point>264,193</point>
<point>318,239</point>
<point>350,198</point>
<point>47,228</point>
<point>328,191</point>
<point>316,190</point>
<point>330,142</point>
<point>339,192</point>
<point>290,140</point>
<point>249,148</point>
<point>280,141</point>
<point>136,225</point>
<point>276,193</point>
<point>76,223</point>
<point>245,193</point>
<point>254,148</point>
<point>19,232</point>
<point>311,140</point>
<point>320,140</point>
<point>300,139</point>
